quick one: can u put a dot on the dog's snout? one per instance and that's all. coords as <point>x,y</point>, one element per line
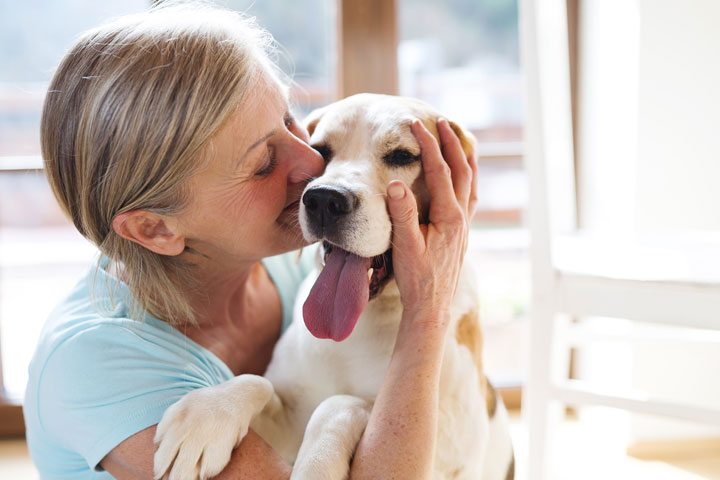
<point>326,205</point>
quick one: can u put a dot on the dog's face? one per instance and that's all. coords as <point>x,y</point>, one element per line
<point>366,142</point>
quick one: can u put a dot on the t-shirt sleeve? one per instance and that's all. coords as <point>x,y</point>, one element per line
<point>106,383</point>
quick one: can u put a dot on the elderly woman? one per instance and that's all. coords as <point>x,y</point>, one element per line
<point>169,142</point>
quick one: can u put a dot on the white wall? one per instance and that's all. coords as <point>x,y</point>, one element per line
<point>678,174</point>
<point>649,163</point>
<point>608,113</point>
<point>679,106</point>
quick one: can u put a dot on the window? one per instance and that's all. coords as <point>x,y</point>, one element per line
<point>306,33</point>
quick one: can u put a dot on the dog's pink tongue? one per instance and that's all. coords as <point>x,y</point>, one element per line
<point>338,297</point>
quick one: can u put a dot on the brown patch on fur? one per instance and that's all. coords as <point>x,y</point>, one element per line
<point>490,398</point>
<point>467,140</point>
<point>313,118</point>
<point>510,475</point>
<point>422,197</point>
<point>469,335</point>
<point>311,126</point>
<point>456,473</point>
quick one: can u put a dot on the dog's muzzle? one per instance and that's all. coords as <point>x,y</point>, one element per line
<point>328,209</point>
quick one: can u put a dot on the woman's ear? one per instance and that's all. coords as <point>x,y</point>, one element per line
<point>157,233</point>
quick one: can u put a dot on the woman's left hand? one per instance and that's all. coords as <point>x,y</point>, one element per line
<point>427,258</point>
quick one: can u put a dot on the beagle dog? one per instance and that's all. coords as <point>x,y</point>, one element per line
<point>314,401</point>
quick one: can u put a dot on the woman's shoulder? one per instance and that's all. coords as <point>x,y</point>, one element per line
<point>95,380</point>
<point>98,367</point>
<point>96,306</point>
<point>92,327</point>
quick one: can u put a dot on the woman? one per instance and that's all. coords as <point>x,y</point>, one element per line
<point>168,141</point>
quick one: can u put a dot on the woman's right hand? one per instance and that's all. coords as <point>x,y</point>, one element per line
<point>427,258</point>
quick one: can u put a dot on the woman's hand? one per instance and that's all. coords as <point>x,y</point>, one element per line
<point>400,438</point>
<point>427,258</point>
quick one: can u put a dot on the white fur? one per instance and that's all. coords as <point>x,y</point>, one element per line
<point>323,390</point>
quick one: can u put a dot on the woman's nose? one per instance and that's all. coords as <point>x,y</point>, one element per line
<point>306,163</point>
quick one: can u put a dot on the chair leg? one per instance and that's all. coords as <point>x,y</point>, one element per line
<point>548,361</point>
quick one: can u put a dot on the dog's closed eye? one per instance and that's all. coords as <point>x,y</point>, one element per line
<point>325,151</point>
<point>400,157</point>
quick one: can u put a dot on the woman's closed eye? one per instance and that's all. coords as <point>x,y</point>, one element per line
<point>269,165</point>
<point>271,162</point>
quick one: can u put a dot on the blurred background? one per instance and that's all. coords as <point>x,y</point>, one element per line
<point>642,109</point>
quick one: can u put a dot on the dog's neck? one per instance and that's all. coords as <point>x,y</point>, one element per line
<point>383,311</point>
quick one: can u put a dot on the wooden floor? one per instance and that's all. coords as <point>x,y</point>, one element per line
<point>585,450</point>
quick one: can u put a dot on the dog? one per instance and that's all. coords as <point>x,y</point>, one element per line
<point>314,401</point>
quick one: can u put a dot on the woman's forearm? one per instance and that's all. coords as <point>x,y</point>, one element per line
<point>399,441</point>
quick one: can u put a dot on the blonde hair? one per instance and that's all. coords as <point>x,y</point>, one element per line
<point>126,121</point>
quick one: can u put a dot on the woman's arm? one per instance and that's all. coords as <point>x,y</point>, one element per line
<point>252,459</point>
<point>399,441</point>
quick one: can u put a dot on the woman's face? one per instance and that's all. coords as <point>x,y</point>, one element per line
<point>244,203</point>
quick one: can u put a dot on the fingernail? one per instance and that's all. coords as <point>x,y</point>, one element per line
<point>396,191</point>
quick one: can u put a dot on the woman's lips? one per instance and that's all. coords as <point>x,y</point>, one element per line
<point>289,215</point>
<point>293,205</point>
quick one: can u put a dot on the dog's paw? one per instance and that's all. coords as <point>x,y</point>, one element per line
<point>197,435</point>
<point>331,436</point>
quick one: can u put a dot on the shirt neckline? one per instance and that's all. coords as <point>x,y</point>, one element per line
<point>123,293</point>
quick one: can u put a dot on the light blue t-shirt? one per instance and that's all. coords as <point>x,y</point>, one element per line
<point>98,378</point>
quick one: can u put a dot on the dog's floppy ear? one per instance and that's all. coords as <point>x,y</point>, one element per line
<point>312,119</point>
<point>467,139</point>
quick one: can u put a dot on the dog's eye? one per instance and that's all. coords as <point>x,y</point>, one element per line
<point>400,158</point>
<point>325,151</point>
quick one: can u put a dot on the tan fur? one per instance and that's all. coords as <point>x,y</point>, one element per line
<point>467,140</point>
<point>511,470</point>
<point>312,122</point>
<point>490,397</point>
<point>469,335</point>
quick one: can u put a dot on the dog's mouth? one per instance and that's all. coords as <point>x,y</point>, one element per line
<point>379,274</point>
<point>343,289</point>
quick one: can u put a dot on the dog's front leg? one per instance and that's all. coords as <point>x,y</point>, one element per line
<point>196,435</point>
<point>331,436</point>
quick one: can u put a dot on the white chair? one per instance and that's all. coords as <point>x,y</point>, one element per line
<point>669,281</point>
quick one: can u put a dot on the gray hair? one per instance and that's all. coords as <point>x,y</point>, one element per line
<point>127,122</point>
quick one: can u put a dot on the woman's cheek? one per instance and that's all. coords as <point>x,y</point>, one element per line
<point>267,199</point>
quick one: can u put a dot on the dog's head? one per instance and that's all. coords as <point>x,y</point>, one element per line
<point>366,142</point>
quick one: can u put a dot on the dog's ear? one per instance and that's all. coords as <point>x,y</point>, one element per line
<point>312,119</point>
<point>467,139</point>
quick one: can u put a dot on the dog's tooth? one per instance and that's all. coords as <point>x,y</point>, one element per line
<point>370,272</point>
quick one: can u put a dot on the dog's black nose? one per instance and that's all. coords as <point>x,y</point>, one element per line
<point>326,205</point>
